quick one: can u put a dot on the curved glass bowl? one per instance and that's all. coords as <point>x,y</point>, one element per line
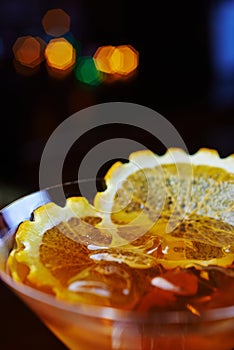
<point>87,327</point>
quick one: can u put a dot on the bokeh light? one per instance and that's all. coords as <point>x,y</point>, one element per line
<point>120,61</point>
<point>102,58</point>
<point>87,72</point>
<point>124,60</point>
<point>60,54</point>
<point>56,22</point>
<point>28,51</point>
<point>108,63</point>
<point>74,42</point>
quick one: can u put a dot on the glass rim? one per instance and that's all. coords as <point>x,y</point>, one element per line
<point>107,312</point>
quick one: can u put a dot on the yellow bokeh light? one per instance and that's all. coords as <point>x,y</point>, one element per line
<point>116,61</point>
<point>124,60</point>
<point>119,61</point>
<point>60,54</point>
<point>28,51</point>
<point>56,22</point>
<point>102,58</point>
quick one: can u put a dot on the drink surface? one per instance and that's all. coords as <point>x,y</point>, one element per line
<point>143,275</point>
<point>127,258</point>
<point>132,277</point>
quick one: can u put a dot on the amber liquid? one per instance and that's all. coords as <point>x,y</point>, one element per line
<point>138,277</point>
<point>150,274</point>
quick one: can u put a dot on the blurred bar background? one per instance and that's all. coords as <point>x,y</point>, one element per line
<point>178,60</point>
<point>184,70</point>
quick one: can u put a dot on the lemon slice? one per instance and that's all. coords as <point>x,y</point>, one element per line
<point>184,203</point>
<point>175,210</point>
<point>53,247</point>
<point>57,252</point>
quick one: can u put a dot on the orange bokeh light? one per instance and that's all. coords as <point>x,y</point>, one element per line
<point>121,60</point>
<point>102,58</point>
<point>60,54</point>
<point>124,60</point>
<point>56,22</point>
<point>28,51</point>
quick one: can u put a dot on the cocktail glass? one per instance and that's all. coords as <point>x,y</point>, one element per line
<point>87,327</point>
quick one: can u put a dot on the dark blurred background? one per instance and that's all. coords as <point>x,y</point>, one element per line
<point>185,72</point>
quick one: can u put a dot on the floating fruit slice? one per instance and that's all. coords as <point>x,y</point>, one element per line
<point>59,251</point>
<point>53,247</point>
<point>184,203</point>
